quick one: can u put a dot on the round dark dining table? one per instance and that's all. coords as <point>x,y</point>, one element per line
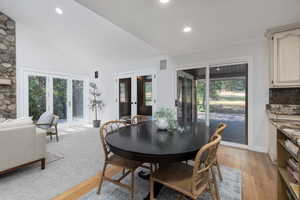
<point>144,142</point>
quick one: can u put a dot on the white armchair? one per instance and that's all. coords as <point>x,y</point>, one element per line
<point>21,145</point>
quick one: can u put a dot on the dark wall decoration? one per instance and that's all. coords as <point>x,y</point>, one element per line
<point>7,67</point>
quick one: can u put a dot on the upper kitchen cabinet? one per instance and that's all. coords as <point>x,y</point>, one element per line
<point>284,57</point>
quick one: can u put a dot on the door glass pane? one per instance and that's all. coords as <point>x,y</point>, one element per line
<point>37,96</point>
<point>77,97</point>
<point>201,100</point>
<point>184,99</point>
<point>60,98</point>
<point>125,98</point>
<point>191,95</point>
<point>144,95</point>
<point>228,93</point>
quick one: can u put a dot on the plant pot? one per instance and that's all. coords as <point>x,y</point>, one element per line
<point>96,123</point>
<point>162,124</point>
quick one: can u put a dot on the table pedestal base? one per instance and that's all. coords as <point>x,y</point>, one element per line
<point>157,187</point>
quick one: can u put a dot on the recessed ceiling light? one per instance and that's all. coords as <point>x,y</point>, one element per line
<point>59,11</point>
<point>164,1</point>
<point>187,29</point>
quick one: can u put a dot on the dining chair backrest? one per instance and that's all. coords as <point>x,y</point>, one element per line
<point>204,161</point>
<point>219,131</point>
<point>106,129</point>
<point>55,120</point>
<point>139,119</point>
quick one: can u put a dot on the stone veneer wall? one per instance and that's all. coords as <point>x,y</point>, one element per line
<point>285,96</point>
<point>7,66</point>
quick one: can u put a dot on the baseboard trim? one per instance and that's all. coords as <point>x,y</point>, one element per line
<point>247,147</point>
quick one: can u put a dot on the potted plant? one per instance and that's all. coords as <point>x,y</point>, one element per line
<point>96,104</point>
<point>165,118</point>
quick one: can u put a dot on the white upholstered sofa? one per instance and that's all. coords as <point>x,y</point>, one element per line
<point>21,143</point>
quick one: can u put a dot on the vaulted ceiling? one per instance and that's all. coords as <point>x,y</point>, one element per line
<point>79,35</point>
<point>215,23</point>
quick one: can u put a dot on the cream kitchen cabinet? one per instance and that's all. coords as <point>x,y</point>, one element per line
<point>285,59</point>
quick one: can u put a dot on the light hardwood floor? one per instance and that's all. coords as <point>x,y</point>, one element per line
<point>258,175</point>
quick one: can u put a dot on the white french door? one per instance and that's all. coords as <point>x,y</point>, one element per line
<point>64,96</point>
<point>135,94</point>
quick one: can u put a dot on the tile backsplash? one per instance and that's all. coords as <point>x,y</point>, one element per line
<point>285,96</point>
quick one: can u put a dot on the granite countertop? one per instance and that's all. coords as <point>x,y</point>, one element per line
<point>283,109</point>
<point>289,127</point>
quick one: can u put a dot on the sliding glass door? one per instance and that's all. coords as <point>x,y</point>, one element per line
<point>221,96</point>
<point>63,96</point>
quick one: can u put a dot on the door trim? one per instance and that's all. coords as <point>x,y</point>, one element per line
<point>133,75</point>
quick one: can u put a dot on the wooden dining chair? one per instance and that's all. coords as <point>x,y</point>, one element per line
<point>190,181</point>
<point>139,119</point>
<point>218,132</point>
<point>128,166</point>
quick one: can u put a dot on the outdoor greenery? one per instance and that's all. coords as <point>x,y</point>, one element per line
<point>60,98</point>
<point>37,96</point>
<point>225,95</point>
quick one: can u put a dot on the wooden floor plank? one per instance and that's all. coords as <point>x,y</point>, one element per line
<point>258,175</point>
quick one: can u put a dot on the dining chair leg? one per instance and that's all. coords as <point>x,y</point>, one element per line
<point>212,191</point>
<point>132,185</point>
<point>101,178</point>
<point>56,133</point>
<point>215,184</point>
<point>151,189</point>
<point>219,171</point>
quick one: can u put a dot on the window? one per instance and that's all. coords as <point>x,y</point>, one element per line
<point>37,96</point>
<point>60,98</point>
<point>148,93</point>
<point>61,95</point>
<point>78,100</point>
<point>122,92</point>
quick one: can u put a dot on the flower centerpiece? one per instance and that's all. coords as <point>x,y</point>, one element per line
<point>165,118</point>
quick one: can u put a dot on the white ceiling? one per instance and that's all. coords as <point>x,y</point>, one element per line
<point>215,23</point>
<point>79,35</point>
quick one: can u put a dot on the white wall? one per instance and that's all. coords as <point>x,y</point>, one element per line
<point>33,51</point>
<point>44,42</point>
<point>255,53</point>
